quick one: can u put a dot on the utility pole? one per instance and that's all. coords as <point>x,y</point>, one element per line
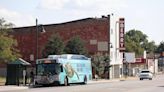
<point>108,46</point>
<point>109,43</point>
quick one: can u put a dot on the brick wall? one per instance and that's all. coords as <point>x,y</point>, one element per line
<point>91,30</point>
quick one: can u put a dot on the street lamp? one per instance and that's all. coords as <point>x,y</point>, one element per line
<point>39,28</point>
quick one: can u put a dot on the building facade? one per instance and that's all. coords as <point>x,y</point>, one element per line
<point>95,32</point>
<point>117,31</point>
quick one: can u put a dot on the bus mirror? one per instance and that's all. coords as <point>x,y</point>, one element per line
<point>61,67</point>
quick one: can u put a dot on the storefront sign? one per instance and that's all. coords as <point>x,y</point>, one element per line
<point>121,34</point>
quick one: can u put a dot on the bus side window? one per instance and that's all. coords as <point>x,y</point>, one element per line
<point>61,68</point>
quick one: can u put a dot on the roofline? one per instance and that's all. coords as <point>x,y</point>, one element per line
<point>58,23</point>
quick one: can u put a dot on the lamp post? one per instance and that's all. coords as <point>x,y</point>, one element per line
<point>39,28</point>
<point>36,38</point>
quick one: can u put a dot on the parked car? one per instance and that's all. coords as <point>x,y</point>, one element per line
<point>145,74</point>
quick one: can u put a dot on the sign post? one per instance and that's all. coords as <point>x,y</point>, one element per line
<point>146,63</point>
<point>24,77</point>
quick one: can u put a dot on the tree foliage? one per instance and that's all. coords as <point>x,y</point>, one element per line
<point>150,47</point>
<point>75,46</point>
<point>55,46</point>
<point>8,51</point>
<point>136,41</point>
<point>101,65</point>
<point>160,48</point>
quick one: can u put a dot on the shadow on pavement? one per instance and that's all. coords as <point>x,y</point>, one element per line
<point>160,86</point>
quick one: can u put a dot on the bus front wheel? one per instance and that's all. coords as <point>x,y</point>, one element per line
<point>66,82</point>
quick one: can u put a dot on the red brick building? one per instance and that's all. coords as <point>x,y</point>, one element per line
<point>94,32</point>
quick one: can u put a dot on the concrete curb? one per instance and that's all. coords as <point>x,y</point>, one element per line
<point>12,88</point>
<point>112,80</point>
<point>103,81</point>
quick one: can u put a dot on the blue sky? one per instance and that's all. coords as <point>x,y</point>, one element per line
<point>144,15</point>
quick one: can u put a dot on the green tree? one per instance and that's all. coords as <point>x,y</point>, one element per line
<point>101,65</point>
<point>55,46</point>
<point>136,41</point>
<point>160,48</point>
<point>150,47</point>
<point>75,46</point>
<point>8,51</point>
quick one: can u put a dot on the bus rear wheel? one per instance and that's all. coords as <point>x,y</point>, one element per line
<point>66,82</point>
<point>85,80</point>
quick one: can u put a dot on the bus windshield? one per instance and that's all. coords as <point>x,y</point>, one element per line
<point>48,69</point>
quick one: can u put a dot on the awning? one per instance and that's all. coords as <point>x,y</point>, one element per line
<point>20,61</point>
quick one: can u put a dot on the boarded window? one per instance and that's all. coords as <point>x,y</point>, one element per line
<point>103,46</point>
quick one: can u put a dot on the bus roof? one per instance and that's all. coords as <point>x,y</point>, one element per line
<point>68,56</point>
<point>57,58</point>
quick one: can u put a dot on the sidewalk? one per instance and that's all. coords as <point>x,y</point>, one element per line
<point>2,83</point>
<point>129,78</point>
<point>111,80</point>
<point>12,88</point>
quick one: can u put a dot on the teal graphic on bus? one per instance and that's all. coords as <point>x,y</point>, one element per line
<point>63,70</point>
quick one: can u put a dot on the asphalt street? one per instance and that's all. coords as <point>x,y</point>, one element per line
<point>155,85</point>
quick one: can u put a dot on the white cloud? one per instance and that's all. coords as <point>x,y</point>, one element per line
<point>83,8</point>
<point>82,4</point>
<point>16,18</point>
<point>100,3</point>
<point>72,8</point>
<point>53,4</point>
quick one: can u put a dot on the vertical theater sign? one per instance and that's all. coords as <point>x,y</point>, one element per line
<point>121,34</point>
